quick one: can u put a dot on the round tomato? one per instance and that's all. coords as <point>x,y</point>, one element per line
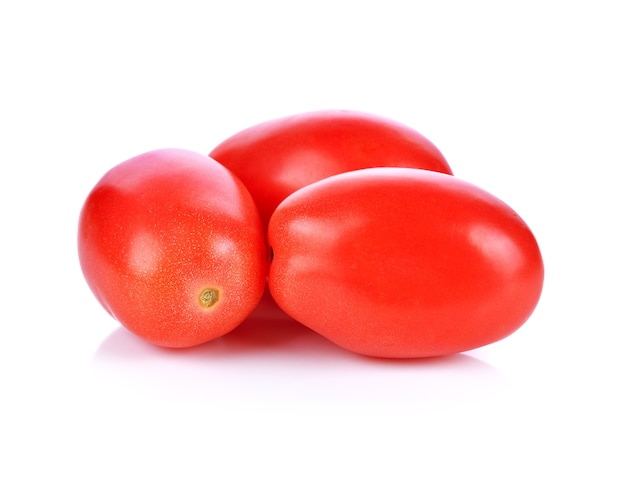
<point>277,157</point>
<point>400,262</point>
<point>172,246</point>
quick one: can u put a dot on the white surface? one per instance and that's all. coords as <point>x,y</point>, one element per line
<point>525,100</point>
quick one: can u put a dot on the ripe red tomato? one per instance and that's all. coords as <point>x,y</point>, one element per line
<point>277,157</point>
<point>399,262</point>
<point>172,246</point>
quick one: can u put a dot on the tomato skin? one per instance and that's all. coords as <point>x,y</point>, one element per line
<point>172,246</point>
<point>404,263</point>
<point>277,157</point>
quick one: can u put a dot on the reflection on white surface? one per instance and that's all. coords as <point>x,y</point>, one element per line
<point>281,364</point>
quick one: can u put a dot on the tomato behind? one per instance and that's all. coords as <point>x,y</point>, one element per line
<point>172,246</point>
<point>401,262</point>
<point>277,157</point>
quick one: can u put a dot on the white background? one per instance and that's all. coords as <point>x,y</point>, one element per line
<point>525,99</point>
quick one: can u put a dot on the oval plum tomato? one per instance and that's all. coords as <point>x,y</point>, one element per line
<point>399,262</point>
<point>277,157</point>
<point>172,246</point>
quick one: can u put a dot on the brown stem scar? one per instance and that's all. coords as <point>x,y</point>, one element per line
<point>209,297</point>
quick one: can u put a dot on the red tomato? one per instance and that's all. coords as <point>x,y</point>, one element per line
<point>172,246</point>
<point>398,262</point>
<point>275,158</point>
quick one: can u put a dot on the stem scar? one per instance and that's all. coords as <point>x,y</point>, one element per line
<point>209,297</point>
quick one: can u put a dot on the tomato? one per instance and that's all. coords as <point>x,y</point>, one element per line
<point>172,246</point>
<point>400,262</point>
<point>277,157</point>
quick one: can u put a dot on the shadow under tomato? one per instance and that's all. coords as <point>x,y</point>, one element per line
<point>270,337</point>
<point>279,363</point>
<point>257,338</point>
<point>253,337</point>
